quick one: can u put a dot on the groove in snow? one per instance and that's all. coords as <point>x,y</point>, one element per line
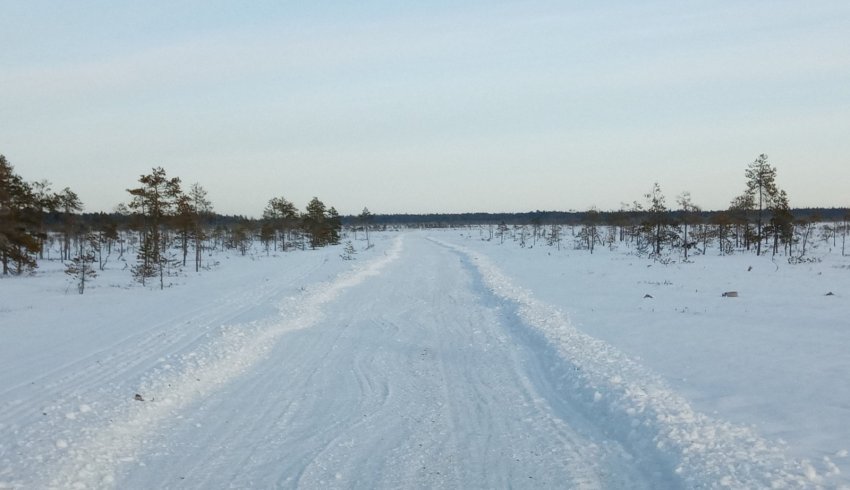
<point>642,411</point>
<point>92,461</point>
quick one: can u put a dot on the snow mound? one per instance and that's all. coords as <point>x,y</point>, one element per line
<point>641,411</point>
<point>92,459</point>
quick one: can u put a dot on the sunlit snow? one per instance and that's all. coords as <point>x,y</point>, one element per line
<point>435,359</point>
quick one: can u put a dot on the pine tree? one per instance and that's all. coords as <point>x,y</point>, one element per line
<point>554,238</point>
<point>348,252</point>
<point>322,224</point>
<point>19,222</point>
<point>365,219</point>
<point>761,187</point>
<point>280,214</point>
<point>69,204</point>
<point>184,221</point>
<point>81,266</point>
<point>589,234</point>
<point>154,202</point>
<point>202,208</point>
<point>740,212</point>
<point>45,201</point>
<point>689,217</point>
<point>657,225</point>
<point>333,224</point>
<point>267,236</point>
<point>107,234</point>
<point>241,236</point>
<point>502,230</point>
<point>781,225</point>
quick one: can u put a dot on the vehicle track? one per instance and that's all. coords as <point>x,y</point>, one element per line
<point>414,379</point>
<point>86,447</point>
<point>425,367</point>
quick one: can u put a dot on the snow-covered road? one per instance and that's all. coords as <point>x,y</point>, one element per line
<point>408,371</point>
<point>409,380</point>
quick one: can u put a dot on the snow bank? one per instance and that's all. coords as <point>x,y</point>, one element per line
<point>642,411</point>
<point>93,458</point>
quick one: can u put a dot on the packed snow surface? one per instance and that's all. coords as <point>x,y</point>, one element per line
<point>433,360</point>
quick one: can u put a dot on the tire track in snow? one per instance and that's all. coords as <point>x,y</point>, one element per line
<point>411,381</point>
<point>93,459</point>
<point>637,407</point>
<point>112,366</point>
<point>56,406</point>
<point>460,409</point>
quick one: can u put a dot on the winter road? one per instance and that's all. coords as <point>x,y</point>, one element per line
<point>407,372</point>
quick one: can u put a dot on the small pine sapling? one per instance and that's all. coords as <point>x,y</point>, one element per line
<point>348,251</point>
<point>81,267</point>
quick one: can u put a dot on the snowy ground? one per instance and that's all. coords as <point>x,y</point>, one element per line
<point>433,360</point>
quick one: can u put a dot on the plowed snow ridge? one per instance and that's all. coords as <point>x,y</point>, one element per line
<point>640,410</point>
<point>92,462</point>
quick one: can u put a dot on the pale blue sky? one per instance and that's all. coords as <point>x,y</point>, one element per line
<point>441,107</point>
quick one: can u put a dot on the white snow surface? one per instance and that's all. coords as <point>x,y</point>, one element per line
<point>434,360</point>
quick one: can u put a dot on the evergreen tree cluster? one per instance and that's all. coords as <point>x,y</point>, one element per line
<point>759,220</point>
<point>165,225</point>
<point>162,223</point>
<point>24,208</point>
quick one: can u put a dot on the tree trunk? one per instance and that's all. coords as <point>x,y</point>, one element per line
<point>185,245</point>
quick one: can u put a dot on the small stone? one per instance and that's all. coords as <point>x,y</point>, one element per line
<point>138,398</point>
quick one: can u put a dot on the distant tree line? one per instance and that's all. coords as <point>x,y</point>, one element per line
<point>166,226</point>
<point>760,220</point>
<point>574,218</point>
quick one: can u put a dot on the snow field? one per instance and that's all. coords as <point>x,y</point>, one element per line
<point>771,363</point>
<point>444,363</point>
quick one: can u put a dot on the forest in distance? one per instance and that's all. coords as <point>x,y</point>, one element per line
<point>164,227</point>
